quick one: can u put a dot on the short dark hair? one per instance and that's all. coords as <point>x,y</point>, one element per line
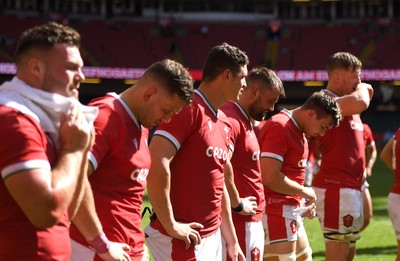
<point>222,57</point>
<point>174,77</point>
<point>343,60</point>
<point>44,37</point>
<point>267,77</point>
<point>324,105</point>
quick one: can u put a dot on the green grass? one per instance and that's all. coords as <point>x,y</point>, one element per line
<point>378,241</point>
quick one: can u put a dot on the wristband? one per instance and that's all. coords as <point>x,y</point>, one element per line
<point>100,244</point>
<point>238,208</point>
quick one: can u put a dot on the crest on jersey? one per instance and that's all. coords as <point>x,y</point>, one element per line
<point>348,220</point>
<point>293,226</point>
<point>255,254</point>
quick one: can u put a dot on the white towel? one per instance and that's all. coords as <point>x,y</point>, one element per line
<point>45,107</point>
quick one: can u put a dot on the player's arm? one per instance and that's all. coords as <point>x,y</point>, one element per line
<point>371,155</point>
<point>356,102</point>
<point>228,230</point>
<point>46,195</point>
<point>158,187</point>
<point>273,178</point>
<point>244,206</point>
<point>387,153</point>
<point>88,223</point>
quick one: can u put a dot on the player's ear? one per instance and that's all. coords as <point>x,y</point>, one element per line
<point>255,91</point>
<point>149,93</point>
<point>226,74</point>
<point>312,113</point>
<point>36,67</point>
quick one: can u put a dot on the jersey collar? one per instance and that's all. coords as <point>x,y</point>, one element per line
<point>215,112</point>
<point>127,109</point>
<point>289,113</point>
<point>243,111</point>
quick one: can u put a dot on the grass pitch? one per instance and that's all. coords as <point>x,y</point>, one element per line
<point>378,241</point>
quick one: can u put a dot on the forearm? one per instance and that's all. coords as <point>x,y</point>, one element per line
<point>371,156</point>
<point>68,177</point>
<point>356,102</point>
<point>86,219</point>
<point>230,186</point>
<point>158,187</point>
<point>387,154</point>
<point>282,184</point>
<point>227,227</point>
<point>83,187</point>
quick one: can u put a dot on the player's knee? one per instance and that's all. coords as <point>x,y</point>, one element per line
<point>280,257</point>
<point>342,237</point>
<point>305,254</point>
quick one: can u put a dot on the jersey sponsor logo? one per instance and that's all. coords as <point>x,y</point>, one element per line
<point>255,254</point>
<point>140,175</point>
<point>356,125</point>
<point>302,163</point>
<point>217,153</point>
<point>348,220</point>
<point>256,156</point>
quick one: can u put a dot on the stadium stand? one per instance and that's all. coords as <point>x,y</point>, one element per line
<point>136,44</point>
<point>115,40</point>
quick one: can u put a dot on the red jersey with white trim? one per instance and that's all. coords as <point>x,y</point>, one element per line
<point>201,137</point>
<point>396,162</point>
<point>25,146</point>
<point>281,139</point>
<point>368,136</point>
<point>121,161</point>
<point>245,159</point>
<point>343,154</point>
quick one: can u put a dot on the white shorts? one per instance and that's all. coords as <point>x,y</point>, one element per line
<point>365,185</point>
<point>251,240</point>
<point>394,212</point>
<point>339,210</point>
<point>80,252</point>
<point>165,248</point>
<point>285,227</point>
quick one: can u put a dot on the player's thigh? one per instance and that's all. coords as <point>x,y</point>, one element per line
<point>394,211</point>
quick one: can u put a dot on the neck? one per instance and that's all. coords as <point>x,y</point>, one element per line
<point>130,97</point>
<point>334,89</point>
<point>214,96</point>
<point>298,117</point>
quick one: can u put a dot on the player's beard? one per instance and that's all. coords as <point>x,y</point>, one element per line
<point>255,112</point>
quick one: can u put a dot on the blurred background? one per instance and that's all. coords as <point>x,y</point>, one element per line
<point>293,37</point>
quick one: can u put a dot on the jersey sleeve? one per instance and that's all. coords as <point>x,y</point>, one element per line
<point>24,145</point>
<point>179,128</point>
<point>368,136</point>
<point>273,143</point>
<point>105,130</point>
<point>234,127</point>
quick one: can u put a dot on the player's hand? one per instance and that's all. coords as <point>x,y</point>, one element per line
<point>368,87</point>
<point>310,212</point>
<point>117,252</point>
<point>235,252</point>
<point>75,134</point>
<point>368,171</point>
<point>309,194</point>
<point>187,232</point>
<point>249,206</point>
